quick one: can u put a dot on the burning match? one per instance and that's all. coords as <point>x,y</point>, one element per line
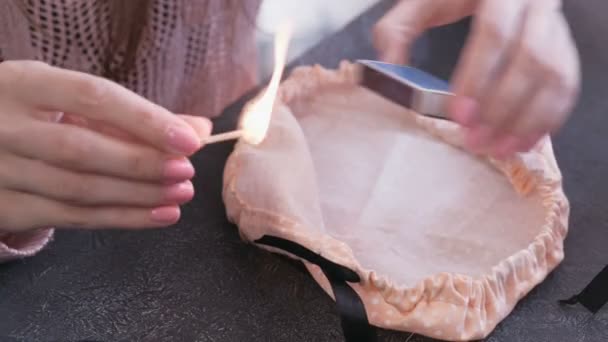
<point>256,117</point>
<point>232,135</point>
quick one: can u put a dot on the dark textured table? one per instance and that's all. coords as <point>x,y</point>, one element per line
<point>199,282</point>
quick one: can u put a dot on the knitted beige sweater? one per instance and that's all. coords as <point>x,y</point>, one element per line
<point>187,62</point>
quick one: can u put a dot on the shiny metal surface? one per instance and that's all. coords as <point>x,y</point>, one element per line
<point>407,86</point>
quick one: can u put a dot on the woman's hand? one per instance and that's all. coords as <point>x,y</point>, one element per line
<point>518,77</point>
<point>116,160</point>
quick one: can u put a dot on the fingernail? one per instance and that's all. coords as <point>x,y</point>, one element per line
<point>183,139</point>
<point>178,169</point>
<point>165,215</point>
<point>179,193</point>
<point>463,110</point>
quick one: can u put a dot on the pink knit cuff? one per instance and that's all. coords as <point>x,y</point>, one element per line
<point>15,246</point>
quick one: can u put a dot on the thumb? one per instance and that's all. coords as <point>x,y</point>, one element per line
<point>201,125</point>
<point>397,31</point>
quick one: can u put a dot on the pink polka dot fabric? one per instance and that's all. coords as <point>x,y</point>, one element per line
<point>445,243</point>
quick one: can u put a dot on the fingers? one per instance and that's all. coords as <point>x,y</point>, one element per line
<point>495,29</point>
<point>549,108</point>
<point>43,212</point>
<point>202,127</point>
<point>118,161</point>
<point>99,99</point>
<point>397,31</point>
<point>546,112</point>
<point>506,97</point>
<point>98,126</point>
<point>83,150</point>
<point>38,178</point>
<point>510,88</point>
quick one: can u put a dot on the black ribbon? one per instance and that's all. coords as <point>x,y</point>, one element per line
<point>355,325</point>
<point>594,296</point>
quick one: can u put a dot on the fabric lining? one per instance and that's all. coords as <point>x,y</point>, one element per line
<point>445,243</point>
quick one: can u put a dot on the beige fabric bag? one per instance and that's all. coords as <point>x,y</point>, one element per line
<point>431,239</point>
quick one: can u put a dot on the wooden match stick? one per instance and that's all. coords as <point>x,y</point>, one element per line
<point>232,135</point>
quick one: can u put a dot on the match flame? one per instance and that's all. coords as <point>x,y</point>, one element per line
<point>256,117</point>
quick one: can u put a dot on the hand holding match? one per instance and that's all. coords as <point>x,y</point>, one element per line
<point>255,119</point>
